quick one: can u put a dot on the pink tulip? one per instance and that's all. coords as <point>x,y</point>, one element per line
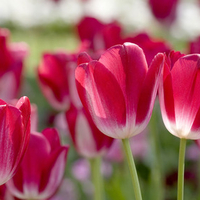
<point>42,168</point>
<point>14,136</point>
<point>119,90</point>
<point>98,33</point>
<point>164,11</point>
<point>179,95</point>
<point>56,78</point>
<point>11,65</point>
<point>88,140</point>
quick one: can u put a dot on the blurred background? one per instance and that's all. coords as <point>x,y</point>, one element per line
<point>51,25</point>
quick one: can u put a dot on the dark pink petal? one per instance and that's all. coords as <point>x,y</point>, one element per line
<point>53,173</point>
<point>83,58</point>
<point>98,90</point>
<point>149,90</point>
<point>33,163</point>
<point>11,136</point>
<point>52,136</point>
<point>55,89</point>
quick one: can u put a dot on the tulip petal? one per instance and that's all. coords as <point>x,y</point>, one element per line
<point>10,141</point>
<point>52,136</point>
<point>53,174</point>
<point>149,90</point>
<point>98,89</point>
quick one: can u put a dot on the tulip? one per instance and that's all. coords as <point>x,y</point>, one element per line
<point>15,133</point>
<point>11,62</point>
<point>119,91</point>
<point>122,73</point>
<point>164,11</point>
<point>42,168</point>
<point>178,94</point>
<point>98,33</point>
<point>180,103</point>
<point>56,78</point>
<point>88,140</point>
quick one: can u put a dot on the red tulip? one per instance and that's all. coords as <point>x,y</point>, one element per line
<point>119,90</point>
<point>42,168</point>
<point>56,78</point>
<point>14,136</point>
<point>11,65</point>
<point>179,95</point>
<point>165,10</point>
<point>88,140</point>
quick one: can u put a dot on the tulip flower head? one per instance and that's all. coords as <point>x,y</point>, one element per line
<point>42,168</point>
<point>89,141</point>
<point>14,136</point>
<point>11,62</point>
<point>119,89</point>
<point>179,95</point>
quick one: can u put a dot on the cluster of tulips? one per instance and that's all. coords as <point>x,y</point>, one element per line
<point>106,89</point>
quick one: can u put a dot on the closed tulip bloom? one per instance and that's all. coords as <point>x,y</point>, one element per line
<point>179,95</point>
<point>56,78</point>
<point>14,136</point>
<point>42,168</point>
<point>88,140</point>
<point>119,89</point>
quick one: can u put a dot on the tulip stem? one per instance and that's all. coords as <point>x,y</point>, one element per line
<point>132,168</point>
<point>181,168</point>
<point>97,178</point>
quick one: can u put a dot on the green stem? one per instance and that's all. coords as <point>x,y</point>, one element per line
<point>132,168</point>
<point>97,178</point>
<point>181,166</point>
<point>157,181</point>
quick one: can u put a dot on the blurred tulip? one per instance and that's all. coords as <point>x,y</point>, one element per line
<point>15,133</point>
<point>151,46</point>
<point>42,168</point>
<point>164,11</point>
<point>88,140</point>
<point>98,34</point>
<point>56,78</point>
<point>194,46</point>
<point>119,90</point>
<point>179,95</point>
<point>11,66</point>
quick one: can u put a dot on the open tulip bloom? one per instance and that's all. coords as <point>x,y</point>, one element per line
<point>180,102</point>
<point>119,92</point>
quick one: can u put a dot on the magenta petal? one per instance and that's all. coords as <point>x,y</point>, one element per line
<point>52,136</point>
<point>10,141</point>
<point>53,173</point>
<point>149,89</point>
<point>98,89</point>
<point>83,58</point>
